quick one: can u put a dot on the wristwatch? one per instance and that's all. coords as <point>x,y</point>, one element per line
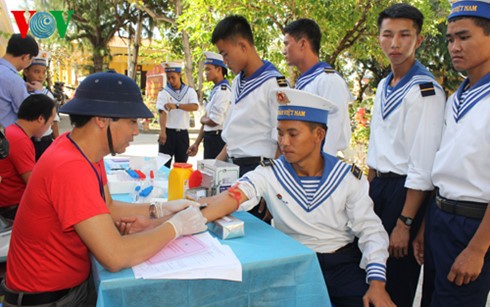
<point>177,105</point>
<point>406,220</point>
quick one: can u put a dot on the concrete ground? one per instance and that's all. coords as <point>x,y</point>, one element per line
<point>145,144</point>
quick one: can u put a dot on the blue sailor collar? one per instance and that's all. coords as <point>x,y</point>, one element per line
<point>311,74</point>
<point>418,74</point>
<point>334,172</point>
<point>247,85</point>
<point>177,94</point>
<point>219,84</point>
<point>473,95</point>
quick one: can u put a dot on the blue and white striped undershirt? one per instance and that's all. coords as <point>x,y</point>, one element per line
<point>310,185</point>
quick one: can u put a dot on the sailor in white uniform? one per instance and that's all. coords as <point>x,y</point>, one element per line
<point>216,108</point>
<point>174,104</point>
<point>301,49</point>
<point>318,200</point>
<point>250,129</point>
<point>406,129</point>
<point>457,232</point>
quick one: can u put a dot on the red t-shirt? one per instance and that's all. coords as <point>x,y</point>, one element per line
<point>46,253</point>
<point>21,160</point>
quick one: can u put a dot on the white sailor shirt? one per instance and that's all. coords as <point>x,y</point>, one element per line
<point>406,127</point>
<point>218,105</point>
<point>462,165</point>
<point>250,128</point>
<point>177,119</point>
<point>324,81</point>
<point>340,210</point>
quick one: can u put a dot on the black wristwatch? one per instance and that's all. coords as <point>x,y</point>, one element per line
<point>177,105</point>
<point>406,220</point>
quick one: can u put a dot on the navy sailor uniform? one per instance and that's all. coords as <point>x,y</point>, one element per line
<point>178,121</point>
<point>461,174</point>
<point>328,220</point>
<point>406,129</point>
<point>322,80</point>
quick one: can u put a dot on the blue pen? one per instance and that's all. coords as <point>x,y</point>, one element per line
<point>136,193</point>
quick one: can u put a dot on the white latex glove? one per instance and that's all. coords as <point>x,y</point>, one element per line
<point>173,206</point>
<point>188,221</point>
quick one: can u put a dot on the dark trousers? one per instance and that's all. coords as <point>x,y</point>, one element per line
<point>245,168</point>
<point>346,281</point>
<point>213,144</point>
<point>42,144</point>
<point>402,274</point>
<point>83,295</point>
<point>176,145</point>
<point>446,236</point>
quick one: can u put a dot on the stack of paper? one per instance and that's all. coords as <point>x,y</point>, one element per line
<point>192,257</point>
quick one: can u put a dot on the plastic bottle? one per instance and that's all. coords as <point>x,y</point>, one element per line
<point>178,180</point>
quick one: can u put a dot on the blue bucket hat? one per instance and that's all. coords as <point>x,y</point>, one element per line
<point>107,94</point>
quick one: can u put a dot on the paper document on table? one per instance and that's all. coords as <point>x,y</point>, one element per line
<point>215,261</point>
<point>182,247</point>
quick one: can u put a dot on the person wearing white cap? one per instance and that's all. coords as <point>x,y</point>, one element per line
<point>457,230</point>
<point>318,200</point>
<point>216,108</point>
<point>406,129</point>
<point>301,49</point>
<point>174,104</point>
<point>37,72</point>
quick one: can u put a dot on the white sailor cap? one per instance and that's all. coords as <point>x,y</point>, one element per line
<point>470,9</point>
<point>303,106</point>
<point>214,58</point>
<point>40,59</point>
<point>172,67</point>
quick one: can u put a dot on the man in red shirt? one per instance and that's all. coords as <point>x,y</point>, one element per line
<point>35,115</point>
<point>67,211</point>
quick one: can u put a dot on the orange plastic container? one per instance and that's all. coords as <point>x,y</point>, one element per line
<point>178,180</point>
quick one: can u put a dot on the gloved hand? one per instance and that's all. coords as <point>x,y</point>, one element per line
<point>188,221</point>
<point>173,206</point>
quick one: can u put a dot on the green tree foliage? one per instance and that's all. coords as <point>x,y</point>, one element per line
<point>97,22</point>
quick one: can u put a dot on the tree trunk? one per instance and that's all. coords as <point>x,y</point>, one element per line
<point>187,48</point>
<point>136,46</point>
<point>98,60</point>
<point>200,80</point>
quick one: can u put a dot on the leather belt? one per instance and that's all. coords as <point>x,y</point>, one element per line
<point>388,175</point>
<point>176,130</point>
<point>213,132</point>
<point>247,160</point>
<point>469,209</point>
<point>32,299</point>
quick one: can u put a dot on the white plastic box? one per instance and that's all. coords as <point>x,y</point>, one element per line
<point>217,174</point>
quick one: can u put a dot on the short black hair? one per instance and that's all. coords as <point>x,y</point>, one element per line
<point>18,46</point>
<point>224,70</point>
<point>305,28</point>
<point>403,10</point>
<point>36,105</point>
<point>79,121</point>
<point>481,22</point>
<point>314,125</point>
<point>231,27</point>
